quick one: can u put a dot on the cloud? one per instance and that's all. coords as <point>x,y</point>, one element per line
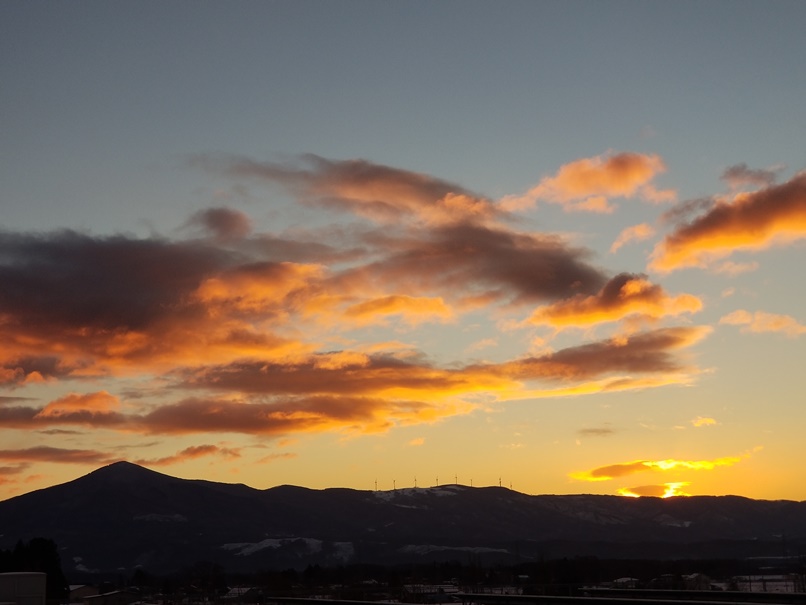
<point>470,261</point>
<point>358,392</point>
<point>76,305</point>
<point>189,453</point>
<point>623,469</point>
<point>630,234</point>
<point>484,343</point>
<point>624,295</point>
<point>129,305</point>
<point>350,414</point>
<point>761,321</point>
<point>682,211</point>
<point>734,269</point>
<point>739,175</point>
<point>277,456</point>
<point>757,220</point>
<point>92,403</point>
<point>266,334</point>
<point>701,421</point>
<point>587,184</point>
<point>409,309</point>
<point>223,223</point>
<point>4,400</point>
<point>56,455</point>
<point>664,490</point>
<point>417,442</point>
<point>609,365</point>
<point>374,191</point>
<point>596,432</point>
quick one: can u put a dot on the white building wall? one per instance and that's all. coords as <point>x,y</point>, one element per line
<point>23,588</point>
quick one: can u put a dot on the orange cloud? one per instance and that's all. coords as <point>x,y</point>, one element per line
<point>57,455</point>
<point>749,221</point>
<point>412,310</point>
<point>624,295</point>
<point>239,327</point>
<point>190,453</point>
<point>622,469</point>
<point>665,490</point>
<point>764,322</point>
<point>586,184</point>
<point>311,414</point>
<point>700,421</point>
<point>91,403</point>
<point>197,301</point>
<point>635,233</point>
<point>355,392</point>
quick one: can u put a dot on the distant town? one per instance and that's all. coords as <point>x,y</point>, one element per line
<point>31,574</point>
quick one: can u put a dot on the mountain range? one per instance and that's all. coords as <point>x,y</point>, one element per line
<point>125,516</point>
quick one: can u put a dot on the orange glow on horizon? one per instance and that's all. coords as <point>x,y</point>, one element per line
<point>665,490</point>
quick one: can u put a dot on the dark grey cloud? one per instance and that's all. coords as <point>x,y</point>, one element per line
<point>739,175</point>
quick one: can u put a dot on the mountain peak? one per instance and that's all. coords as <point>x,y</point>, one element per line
<point>124,472</point>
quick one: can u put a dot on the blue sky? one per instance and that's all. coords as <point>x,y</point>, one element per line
<point>136,119</point>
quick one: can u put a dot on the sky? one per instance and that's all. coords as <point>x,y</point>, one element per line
<point>552,246</point>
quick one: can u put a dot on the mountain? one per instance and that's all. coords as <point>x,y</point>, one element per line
<point>123,516</point>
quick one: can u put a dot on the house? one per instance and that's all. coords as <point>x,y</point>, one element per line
<point>23,588</point>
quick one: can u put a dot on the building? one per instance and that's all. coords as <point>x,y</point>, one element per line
<point>23,587</point>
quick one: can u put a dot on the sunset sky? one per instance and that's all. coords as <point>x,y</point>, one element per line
<point>559,246</point>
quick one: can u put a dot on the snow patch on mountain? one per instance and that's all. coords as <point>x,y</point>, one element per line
<point>424,549</point>
<point>249,548</point>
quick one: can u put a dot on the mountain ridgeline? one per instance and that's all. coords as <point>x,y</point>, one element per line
<point>123,516</point>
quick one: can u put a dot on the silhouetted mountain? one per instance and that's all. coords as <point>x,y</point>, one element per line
<point>123,515</point>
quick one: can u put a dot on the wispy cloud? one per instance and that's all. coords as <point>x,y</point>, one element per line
<point>605,431</point>
<point>733,269</point>
<point>57,455</point>
<point>588,184</point>
<point>190,453</point>
<point>222,223</point>
<point>760,321</point>
<point>701,421</point>
<point>380,193</point>
<point>635,233</point>
<point>739,175</point>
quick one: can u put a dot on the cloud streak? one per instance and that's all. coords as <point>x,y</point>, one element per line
<point>636,233</point>
<point>623,296</point>
<point>586,185</point>
<point>761,321</point>
<point>623,469</point>
<point>775,215</point>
